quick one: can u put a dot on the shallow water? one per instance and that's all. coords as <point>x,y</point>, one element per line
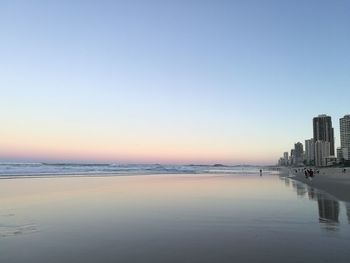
<point>170,218</point>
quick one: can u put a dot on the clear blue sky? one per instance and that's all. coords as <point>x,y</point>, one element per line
<point>169,81</point>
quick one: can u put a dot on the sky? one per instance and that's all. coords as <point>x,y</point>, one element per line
<point>233,82</point>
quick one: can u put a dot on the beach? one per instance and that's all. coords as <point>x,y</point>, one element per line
<point>170,218</point>
<point>331,180</point>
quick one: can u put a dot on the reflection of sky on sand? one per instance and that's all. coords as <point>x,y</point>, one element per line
<point>10,225</point>
<point>12,230</point>
<point>164,219</point>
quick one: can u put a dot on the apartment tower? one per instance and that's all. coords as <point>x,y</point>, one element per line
<point>323,130</point>
<point>345,136</point>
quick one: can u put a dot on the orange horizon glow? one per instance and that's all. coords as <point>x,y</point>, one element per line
<point>132,149</point>
<point>118,157</point>
<point>62,141</point>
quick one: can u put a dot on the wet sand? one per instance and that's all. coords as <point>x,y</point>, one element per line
<point>331,180</point>
<point>170,218</point>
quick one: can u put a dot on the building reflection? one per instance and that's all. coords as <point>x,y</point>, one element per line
<point>328,207</point>
<point>300,189</point>
<point>328,211</point>
<point>286,181</point>
<point>348,211</point>
<point>312,194</point>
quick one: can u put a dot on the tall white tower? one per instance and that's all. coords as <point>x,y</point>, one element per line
<point>345,136</point>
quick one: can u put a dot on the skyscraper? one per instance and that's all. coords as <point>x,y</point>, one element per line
<point>339,154</point>
<point>310,151</point>
<point>322,151</point>
<point>292,157</point>
<point>298,153</point>
<point>345,136</point>
<point>323,130</point>
<point>285,157</point>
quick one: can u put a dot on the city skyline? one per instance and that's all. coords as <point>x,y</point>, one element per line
<point>173,82</point>
<point>321,149</point>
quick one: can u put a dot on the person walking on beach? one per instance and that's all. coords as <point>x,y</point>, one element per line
<point>260,172</point>
<point>311,174</point>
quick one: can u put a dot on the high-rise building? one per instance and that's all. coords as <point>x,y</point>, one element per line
<point>322,152</point>
<point>298,153</point>
<point>292,157</point>
<point>281,161</point>
<point>345,136</point>
<point>323,130</point>
<point>339,154</point>
<point>285,157</point>
<point>310,151</point>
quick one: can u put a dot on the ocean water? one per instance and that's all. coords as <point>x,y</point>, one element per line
<point>54,169</point>
<point>171,218</point>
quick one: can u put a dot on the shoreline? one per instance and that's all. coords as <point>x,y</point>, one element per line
<point>94,175</point>
<point>111,174</point>
<point>330,180</point>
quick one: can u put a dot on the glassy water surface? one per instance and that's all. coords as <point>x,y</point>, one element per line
<point>170,218</point>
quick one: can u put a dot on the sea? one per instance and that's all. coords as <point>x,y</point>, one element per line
<point>11,169</point>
